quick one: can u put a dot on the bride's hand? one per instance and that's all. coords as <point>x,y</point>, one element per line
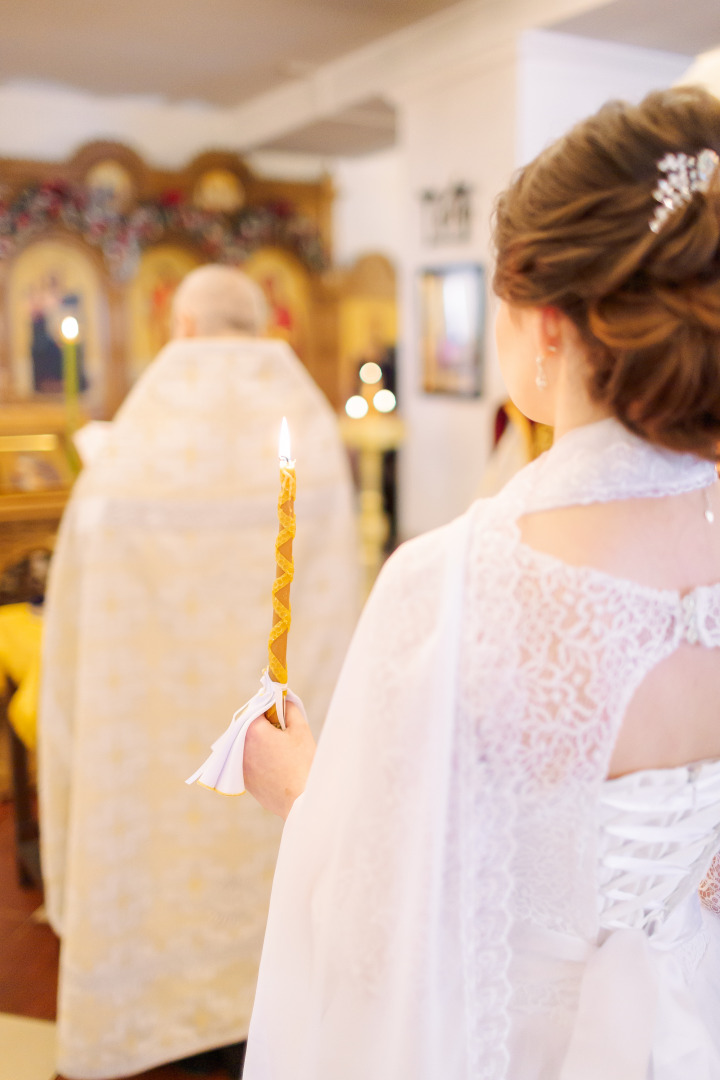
<point>276,763</point>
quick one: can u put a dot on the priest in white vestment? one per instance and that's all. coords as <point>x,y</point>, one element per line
<point>158,612</point>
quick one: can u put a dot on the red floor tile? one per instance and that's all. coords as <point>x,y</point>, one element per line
<point>28,950</point>
<point>28,971</point>
<point>12,896</point>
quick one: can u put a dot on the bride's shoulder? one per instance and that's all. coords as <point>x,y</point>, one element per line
<point>422,553</point>
<point>432,549</point>
<point>422,563</point>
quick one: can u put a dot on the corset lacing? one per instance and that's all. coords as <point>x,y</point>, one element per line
<point>659,830</point>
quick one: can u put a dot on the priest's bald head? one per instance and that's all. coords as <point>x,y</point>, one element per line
<point>218,301</point>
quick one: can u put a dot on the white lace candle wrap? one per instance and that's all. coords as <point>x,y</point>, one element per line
<point>223,770</point>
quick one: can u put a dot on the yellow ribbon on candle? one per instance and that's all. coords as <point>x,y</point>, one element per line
<point>285,571</point>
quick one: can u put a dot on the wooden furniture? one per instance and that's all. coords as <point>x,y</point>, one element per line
<point>35,481</point>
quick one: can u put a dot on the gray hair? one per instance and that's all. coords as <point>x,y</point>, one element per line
<point>221,300</point>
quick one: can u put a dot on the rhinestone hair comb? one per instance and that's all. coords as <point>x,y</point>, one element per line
<point>684,175</point>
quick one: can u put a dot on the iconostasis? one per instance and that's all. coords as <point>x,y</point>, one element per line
<point>102,242</point>
<point>107,239</point>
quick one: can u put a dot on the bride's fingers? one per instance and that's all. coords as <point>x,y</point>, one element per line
<point>294,715</point>
<point>276,763</point>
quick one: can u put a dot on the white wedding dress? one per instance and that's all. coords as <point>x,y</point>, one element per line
<point>584,1011</point>
<point>461,894</point>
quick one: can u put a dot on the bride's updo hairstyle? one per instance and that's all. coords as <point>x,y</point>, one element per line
<point>573,232</point>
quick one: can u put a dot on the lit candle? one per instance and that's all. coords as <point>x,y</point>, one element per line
<point>277,644</point>
<point>69,331</point>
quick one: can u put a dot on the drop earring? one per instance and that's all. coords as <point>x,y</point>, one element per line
<point>709,513</point>
<point>541,378</point>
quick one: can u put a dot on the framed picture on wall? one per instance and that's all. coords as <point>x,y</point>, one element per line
<point>452,311</point>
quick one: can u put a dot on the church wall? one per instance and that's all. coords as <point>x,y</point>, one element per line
<point>369,209</point>
<point>49,123</point>
<point>477,128</point>
<point>563,78</point>
<point>460,130</point>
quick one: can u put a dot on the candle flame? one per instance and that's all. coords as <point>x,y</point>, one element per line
<point>284,443</point>
<point>69,328</point>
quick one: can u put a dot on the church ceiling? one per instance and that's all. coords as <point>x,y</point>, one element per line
<point>217,51</point>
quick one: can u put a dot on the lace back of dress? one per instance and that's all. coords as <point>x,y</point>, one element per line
<point>551,656</point>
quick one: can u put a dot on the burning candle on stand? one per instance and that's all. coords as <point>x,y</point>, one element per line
<point>277,643</point>
<point>69,331</point>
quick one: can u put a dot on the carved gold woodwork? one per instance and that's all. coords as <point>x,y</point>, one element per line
<point>367,316</point>
<point>216,184</point>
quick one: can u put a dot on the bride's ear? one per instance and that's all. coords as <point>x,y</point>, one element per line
<point>552,330</point>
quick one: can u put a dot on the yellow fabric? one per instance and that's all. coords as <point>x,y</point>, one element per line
<point>537,437</point>
<point>20,643</point>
